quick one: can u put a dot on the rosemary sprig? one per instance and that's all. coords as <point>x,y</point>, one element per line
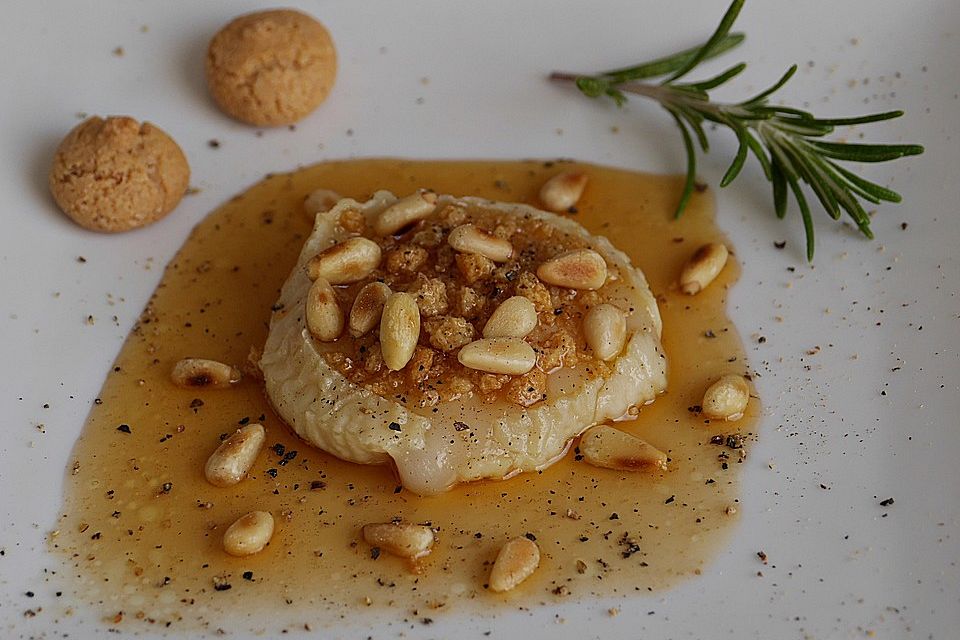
<point>787,142</point>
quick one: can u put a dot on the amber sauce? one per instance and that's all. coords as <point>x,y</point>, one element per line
<point>139,549</point>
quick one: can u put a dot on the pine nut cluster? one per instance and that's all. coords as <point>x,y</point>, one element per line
<point>432,300</point>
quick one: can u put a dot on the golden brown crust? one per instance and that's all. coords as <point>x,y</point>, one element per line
<point>115,174</point>
<point>272,67</point>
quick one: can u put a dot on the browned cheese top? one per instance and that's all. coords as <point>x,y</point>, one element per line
<point>456,293</point>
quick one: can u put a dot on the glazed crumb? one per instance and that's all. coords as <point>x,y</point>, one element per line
<point>456,293</point>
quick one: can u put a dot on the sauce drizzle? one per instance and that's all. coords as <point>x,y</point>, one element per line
<point>141,529</point>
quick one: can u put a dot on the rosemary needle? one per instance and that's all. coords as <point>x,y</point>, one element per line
<point>787,142</point>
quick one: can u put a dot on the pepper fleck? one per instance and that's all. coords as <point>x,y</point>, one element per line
<point>630,546</point>
<point>735,441</point>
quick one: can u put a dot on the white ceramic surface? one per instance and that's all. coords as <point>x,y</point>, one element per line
<point>872,415</point>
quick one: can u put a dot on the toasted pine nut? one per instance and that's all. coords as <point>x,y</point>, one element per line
<point>345,262</point>
<point>324,316</point>
<point>610,448</point>
<point>200,372</point>
<point>726,398</point>
<point>320,200</point>
<point>410,541</point>
<point>414,207</point>
<point>514,318</point>
<point>367,308</point>
<point>516,562</point>
<point>249,534</point>
<point>511,356</point>
<point>563,190</point>
<point>702,267</point>
<point>470,239</point>
<point>399,329</point>
<point>231,461</point>
<point>577,269</point>
<point>605,327</point>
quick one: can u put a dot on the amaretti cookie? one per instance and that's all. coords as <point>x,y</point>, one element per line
<point>116,174</point>
<point>271,67</point>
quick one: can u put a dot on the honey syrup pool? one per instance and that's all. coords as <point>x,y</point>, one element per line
<point>140,528</point>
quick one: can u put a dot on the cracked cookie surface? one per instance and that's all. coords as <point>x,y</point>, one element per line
<point>272,67</point>
<point>116,174</point>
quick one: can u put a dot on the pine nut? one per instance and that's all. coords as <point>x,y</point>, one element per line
<point>324,316</point>
<point>469,239</point>
<point>249,534</point>
<point>319,201</point>
<point>577,269</point>
<point>345,262</point>
<point>514,318</point>
<point>605,327</point>
<point>200,372</point>
<point>563,191</point>
<point>516,562</point>
<point>610,448</point>
<point>367,308</point>
<point>231,461</point>
<point>726,398</point>
<point>702,267</point>
<point>414,207</point>
<point>510,356</point>
<point>399,330</point>
<point>409,541</point>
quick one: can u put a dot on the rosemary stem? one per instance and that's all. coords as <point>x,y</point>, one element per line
<point>788,142</point>
<point>663,94</point>
<point>564,76</point>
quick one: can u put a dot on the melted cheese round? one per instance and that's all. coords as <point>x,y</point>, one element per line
<point>475,436</point>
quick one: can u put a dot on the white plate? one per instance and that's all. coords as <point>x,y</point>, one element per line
<point>872,415</point>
